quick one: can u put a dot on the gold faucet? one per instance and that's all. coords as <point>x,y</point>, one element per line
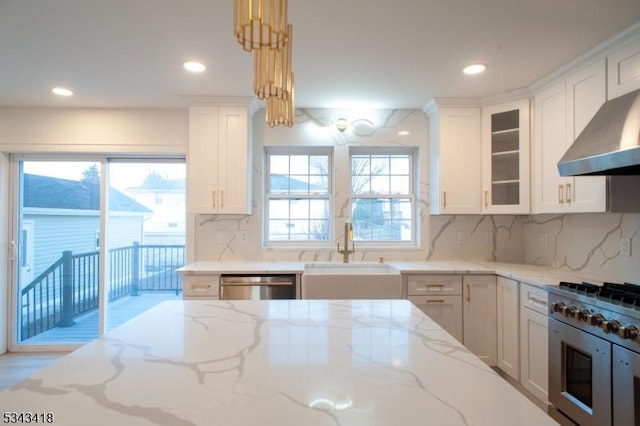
<point>348,235</point>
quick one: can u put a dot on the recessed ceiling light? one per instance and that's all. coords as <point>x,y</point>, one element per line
<point>474,69</point>
<point>61,91</point>
<point>194,66</point>
<point>403,133</point>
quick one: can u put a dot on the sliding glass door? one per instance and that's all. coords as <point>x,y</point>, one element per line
<point>97,242</point>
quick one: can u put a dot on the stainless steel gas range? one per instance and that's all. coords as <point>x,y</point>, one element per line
<point>594,353</point>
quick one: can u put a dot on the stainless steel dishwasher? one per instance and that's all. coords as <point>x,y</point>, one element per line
<point>257,287</point>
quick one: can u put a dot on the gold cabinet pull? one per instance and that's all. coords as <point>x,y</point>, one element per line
<point>486,199</point>
<point>561,194</point>
<point>468,293</point>
<point>444,196</point>
<point>568,194</point>
<point>221,199</point>
<point>435,301</point>
<point>213,198</point>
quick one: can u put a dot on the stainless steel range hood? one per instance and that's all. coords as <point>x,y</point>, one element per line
<point>610,144</point>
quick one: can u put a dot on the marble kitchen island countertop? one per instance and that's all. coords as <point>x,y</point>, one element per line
<point>281,362</point>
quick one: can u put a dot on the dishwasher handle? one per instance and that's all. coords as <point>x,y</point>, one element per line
<point>257,280</point>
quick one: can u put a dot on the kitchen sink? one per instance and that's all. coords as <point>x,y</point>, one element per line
<point>351,281</point>
<point>350,268</point>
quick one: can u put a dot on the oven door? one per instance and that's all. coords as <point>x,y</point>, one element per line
<point>626,387</point>
<point>579,374</point>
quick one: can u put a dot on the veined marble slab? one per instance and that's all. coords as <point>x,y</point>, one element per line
<point>283,362</point>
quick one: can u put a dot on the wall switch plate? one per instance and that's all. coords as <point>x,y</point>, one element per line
<point>460,237</point>
<point>625,247</point>
<point>488,237</point>
<point>222,236</point>
<point>242,236</point>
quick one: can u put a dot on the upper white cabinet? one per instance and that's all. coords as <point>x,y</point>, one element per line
<point>454,136</point>
<point>218,160</point>
<point>561,112</point>
<point>624,69</point>
<point>505,158</point>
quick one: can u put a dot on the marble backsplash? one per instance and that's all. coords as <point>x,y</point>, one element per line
<point>588,244</point>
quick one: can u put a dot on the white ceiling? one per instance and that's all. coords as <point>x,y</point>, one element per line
<point>346,53</point>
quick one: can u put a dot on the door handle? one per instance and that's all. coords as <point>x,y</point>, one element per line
<point>486,199</point>
<point>468,293</point>
<point>213,198</point>
<point>444,196</point>
<point>221,199</point>
<point>561,194</point>
<point>435,301</point>
<point>568,194</point>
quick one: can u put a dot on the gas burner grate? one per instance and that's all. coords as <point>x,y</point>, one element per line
<point>625,293</point>
<point>582,287</point>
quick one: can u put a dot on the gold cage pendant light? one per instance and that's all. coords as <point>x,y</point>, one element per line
<point>260,23</point>
<point>281,111</point>
<point>272,70</point>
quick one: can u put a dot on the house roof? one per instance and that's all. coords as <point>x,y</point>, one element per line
<point>54,193</point>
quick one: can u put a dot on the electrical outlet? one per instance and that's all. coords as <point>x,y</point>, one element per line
<point>625,247</point>
<point>242,236</point>
<point>223,236</point>
<point>488,237</point>
<point>460,237</point>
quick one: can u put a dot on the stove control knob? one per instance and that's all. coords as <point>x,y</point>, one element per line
<point>557,307</point>
<point>569,311</point>
<point>628,332</point>
<point>584,315</point>
<point>610,326</point>
<point>595,320</point>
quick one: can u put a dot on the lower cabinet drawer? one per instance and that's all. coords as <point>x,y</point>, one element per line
<point>201,286</point>
<point>534,298</point>
<point>446,311</point>
<point>418,285</point>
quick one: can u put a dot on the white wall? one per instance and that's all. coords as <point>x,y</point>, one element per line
<point>4,251</point>
<point>161,131</point>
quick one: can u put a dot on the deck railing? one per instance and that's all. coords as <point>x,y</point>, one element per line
<point>70,286</point>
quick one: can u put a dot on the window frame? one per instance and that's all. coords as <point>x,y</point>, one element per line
<point>413,154</point>
<point>268,196</point>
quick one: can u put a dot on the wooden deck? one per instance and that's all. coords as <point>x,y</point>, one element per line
<point>86,327</point>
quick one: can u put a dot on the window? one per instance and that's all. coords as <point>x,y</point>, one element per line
<point>298,195</point>
<point>382,194</point>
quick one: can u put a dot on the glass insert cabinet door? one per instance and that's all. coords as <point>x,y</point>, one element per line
<point>506,158</point>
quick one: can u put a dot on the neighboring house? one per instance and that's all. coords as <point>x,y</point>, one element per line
<point>60,214</point>
<point>166,198</point>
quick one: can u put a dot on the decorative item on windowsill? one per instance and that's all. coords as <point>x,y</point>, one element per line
<point>260,23</point>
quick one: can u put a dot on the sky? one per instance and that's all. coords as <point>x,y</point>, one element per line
<point>122,175</point>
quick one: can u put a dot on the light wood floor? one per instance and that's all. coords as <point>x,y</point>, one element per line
<point>15,367</point>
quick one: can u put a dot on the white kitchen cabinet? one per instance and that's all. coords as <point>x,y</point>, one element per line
<point>508,306</point>
<point>198,287</point>
<point>505,158</point>
<point>624,68</point>
<point>218,160</point>
<point>479,316</point>
<point>439,297</point>
<point>534,341</point>
<point>561,112</point>
<point>454,143</point>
